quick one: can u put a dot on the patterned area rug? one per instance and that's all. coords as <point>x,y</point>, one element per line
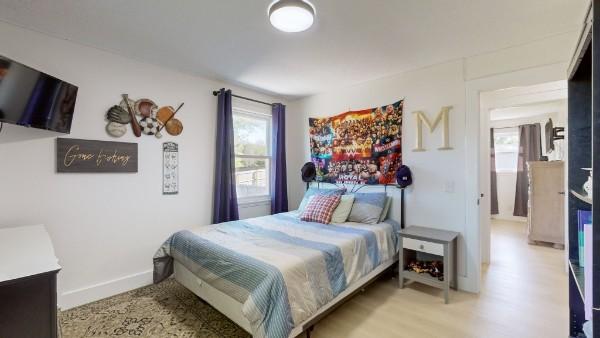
<point>164,310</point>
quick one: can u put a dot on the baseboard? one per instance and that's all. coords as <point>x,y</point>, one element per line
<point>510,218</point>
<point>466,284</point>
<point>73,298</point>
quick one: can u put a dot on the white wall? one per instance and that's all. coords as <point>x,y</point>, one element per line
<point>507,186</point>
<point>446,183</point>
<point>106,227</point>
<point>429,202</point>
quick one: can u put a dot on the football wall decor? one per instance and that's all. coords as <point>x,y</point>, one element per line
<point>144,116</point>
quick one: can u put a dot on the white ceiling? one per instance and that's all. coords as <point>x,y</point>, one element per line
<point>525,102</point>
<point>352,40</point>
<point>525,111</point>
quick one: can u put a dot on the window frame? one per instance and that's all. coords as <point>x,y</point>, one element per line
<point>257,199</point>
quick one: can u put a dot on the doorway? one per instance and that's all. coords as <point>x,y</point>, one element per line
<point>523,125</point>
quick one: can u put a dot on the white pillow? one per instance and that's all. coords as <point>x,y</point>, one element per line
<point>386,209</point>
<point>340,214</point>
<point>303,205</point>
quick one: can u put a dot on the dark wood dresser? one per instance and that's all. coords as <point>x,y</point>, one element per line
<point>28,270</point>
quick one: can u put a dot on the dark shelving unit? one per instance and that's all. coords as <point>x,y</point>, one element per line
<point>584,152</point>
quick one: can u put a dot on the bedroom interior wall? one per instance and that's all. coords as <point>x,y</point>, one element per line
<point>439,197</point>
<point>106,227</point>
<point>438,176</point>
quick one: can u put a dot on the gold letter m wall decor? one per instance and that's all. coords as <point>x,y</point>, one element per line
<point>443,117</point>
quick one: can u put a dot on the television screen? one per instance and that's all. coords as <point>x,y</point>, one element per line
<point>549,133</point>
<point>34,99</point>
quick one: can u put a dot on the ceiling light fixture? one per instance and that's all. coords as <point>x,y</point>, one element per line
<point>291,16</point>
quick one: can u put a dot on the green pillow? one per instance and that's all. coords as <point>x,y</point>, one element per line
<point>340,214</point>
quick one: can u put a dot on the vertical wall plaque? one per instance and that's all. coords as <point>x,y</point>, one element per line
<point>170,168</point>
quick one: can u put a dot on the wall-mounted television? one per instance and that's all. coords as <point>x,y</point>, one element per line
<point>34,99</point>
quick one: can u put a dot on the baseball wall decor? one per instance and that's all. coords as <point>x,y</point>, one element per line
<point>443,117</point>
<point>116,129</point>
<point>144,116</point>
<point>170,168</point>
<point>90,156</point>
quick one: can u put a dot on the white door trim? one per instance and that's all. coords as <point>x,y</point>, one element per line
<point>477,231</point>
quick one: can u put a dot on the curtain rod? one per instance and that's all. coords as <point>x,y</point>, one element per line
<point>216,93</point>
<point>515,127</point>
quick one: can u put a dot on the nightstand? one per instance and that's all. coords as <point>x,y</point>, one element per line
<point>439,243</point>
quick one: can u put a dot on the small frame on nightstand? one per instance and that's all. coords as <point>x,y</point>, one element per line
<point>416,240</point>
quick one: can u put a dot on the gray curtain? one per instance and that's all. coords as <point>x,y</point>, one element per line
<point>530,149</point>
<point>225,206</point>
<point>279,200</point>
<point>493,176</point>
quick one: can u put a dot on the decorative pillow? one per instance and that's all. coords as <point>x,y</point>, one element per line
<point>386,209</point>
<point>314,191</point>
<point>320,208</point>
<point>340,214</point>
<point>367,207</point>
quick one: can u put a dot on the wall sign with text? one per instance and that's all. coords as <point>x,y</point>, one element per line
<point>170,168</point>
<point>90,156</point>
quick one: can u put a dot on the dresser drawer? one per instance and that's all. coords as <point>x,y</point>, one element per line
<point>432,248</point>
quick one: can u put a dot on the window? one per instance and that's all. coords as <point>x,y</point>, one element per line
<point>506,144</point>
<point>252,135</point>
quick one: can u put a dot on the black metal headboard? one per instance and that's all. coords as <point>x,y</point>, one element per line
<point>356,187</point>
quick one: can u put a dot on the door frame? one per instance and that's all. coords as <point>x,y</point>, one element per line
<point>478,151</point>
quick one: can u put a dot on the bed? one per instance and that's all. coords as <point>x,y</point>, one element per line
<point>275,276</point>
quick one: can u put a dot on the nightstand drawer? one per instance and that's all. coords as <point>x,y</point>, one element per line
<point>432,248</point>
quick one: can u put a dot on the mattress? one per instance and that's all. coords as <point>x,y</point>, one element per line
<point>282,270</point>
<point>232,309</point>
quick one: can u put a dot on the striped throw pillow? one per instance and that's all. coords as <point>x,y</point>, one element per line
<point>367,207</point>
<point>320,208</point>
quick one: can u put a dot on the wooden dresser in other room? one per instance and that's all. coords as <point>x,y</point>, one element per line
<point>546,211</point>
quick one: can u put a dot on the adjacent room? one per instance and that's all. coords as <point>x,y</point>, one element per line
<point>299,168</point>
<point>527,166</point>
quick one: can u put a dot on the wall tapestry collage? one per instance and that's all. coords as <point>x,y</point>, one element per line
<point>358,147</point>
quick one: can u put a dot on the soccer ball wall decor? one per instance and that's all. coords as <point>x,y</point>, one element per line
<point>149,125</point>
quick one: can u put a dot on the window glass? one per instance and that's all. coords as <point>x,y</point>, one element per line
<point>252,154</point>
<point>506,144</point>
<point>250,134</point>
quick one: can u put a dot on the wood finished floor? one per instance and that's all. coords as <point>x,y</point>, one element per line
<point>524,294</point>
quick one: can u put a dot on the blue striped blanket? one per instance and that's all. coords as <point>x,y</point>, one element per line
<point>281,269</point>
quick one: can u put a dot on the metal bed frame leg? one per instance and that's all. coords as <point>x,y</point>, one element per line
<point>309,330</point>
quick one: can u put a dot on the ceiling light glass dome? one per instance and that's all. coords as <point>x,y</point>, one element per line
<point>291,16</point>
